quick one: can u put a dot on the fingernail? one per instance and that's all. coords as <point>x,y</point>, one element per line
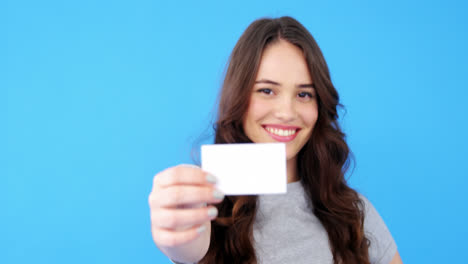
<point>189,166</point>
<point>212,212</point>
<point>218,195</point>
<point>201,229</point>
<point>210,178</point>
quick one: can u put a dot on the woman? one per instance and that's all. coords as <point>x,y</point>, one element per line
<point>277,88</point>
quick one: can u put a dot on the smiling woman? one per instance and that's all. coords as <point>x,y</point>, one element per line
<point>277,88</point>
<point>282,107</point>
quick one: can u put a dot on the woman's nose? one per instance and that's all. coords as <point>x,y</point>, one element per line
<point>285,110</point>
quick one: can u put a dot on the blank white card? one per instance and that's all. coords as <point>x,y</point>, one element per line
<point>250,168</point>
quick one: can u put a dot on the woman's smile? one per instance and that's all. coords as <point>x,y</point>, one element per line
<point>281,133</point>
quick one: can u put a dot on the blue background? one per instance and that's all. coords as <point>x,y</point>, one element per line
<point>98,96</point>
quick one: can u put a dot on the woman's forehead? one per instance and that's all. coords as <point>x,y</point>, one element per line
<point>283,62</point>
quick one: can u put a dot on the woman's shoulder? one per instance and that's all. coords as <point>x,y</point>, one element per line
<point>366,204</point>
<point>368,208</point>
<point>373,221</point>
<point>382,245</point>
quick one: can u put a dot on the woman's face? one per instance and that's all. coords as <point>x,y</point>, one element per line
<point>283,104</point>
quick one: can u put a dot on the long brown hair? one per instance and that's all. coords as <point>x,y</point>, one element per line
<point>321,163</point>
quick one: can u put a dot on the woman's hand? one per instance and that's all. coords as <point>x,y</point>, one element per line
<point>181,211</point>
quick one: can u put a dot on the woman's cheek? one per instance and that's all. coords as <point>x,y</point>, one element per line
<point>310,115</point>
<point>258,108</point>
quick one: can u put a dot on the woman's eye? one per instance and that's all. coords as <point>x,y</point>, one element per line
<point>305,95</point>
<point>265,91</point>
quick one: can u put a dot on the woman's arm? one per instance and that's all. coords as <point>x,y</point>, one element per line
<point>396,259</point>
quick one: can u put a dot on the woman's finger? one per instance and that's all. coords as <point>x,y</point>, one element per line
<point>170,238</point>
<point>183,175</point>
<point>179,195</point>
<point>178,219</point>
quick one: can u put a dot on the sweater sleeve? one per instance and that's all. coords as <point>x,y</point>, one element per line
<point>382,245</point>
<point>175,262</point>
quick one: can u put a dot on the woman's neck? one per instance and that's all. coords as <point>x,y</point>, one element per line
<point>291,167</point>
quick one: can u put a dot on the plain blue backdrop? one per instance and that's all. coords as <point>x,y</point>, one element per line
<point>98,96</point>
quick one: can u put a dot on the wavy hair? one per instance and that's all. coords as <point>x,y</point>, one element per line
<point>321,164</point>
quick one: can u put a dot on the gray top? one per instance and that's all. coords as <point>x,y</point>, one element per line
<point>286,231</point>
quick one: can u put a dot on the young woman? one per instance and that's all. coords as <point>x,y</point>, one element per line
<point>277,88</point>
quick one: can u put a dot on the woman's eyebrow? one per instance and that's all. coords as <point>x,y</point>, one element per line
<point>267,81</point>
<point>306,85</point>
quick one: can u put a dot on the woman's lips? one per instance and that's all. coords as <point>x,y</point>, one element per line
<point>282,133</point>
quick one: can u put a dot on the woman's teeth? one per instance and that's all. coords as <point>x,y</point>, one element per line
<point>281,132</point>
